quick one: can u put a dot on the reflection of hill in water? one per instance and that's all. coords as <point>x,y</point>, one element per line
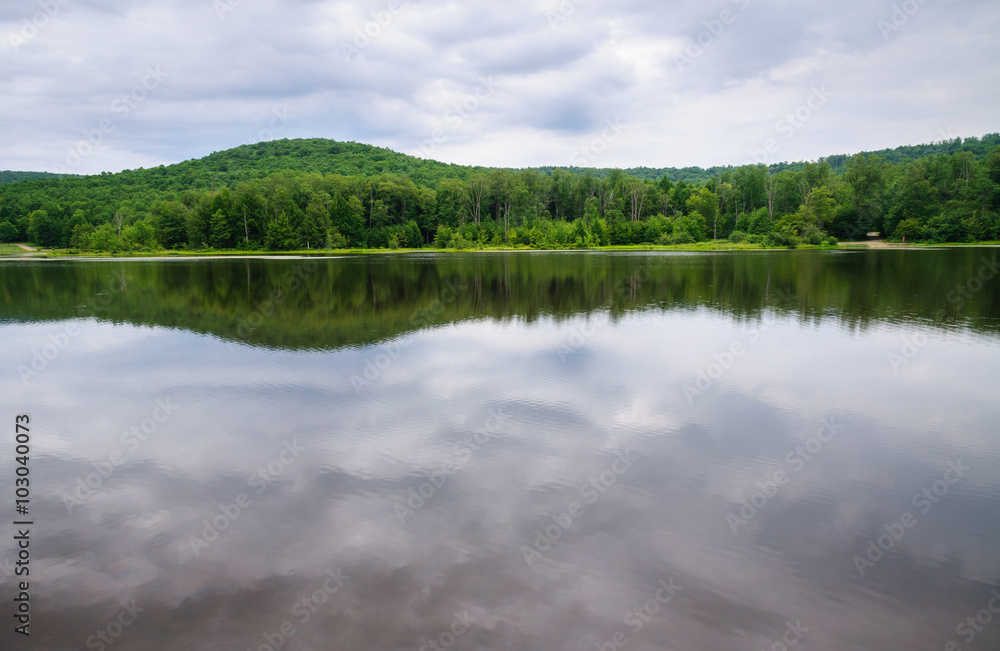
<point>329,303</point>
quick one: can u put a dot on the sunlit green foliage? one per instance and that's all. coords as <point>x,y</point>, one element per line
<point>317,194</point>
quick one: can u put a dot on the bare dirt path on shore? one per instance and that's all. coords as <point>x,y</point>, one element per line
<point>876,244</point>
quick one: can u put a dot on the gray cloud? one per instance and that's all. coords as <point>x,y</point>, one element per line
<point>696,83</point>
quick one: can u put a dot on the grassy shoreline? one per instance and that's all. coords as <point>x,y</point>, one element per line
<point>13,251</point>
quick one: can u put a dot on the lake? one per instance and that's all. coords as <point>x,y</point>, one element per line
<point>538,450</point>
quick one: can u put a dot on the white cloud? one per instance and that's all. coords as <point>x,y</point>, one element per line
<point>756,59</point>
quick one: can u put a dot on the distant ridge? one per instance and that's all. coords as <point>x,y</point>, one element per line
<point>8,176</point>
<point>323,156</point>
<point>979,146</point>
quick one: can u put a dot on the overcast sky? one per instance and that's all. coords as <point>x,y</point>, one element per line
<point>104,85</point>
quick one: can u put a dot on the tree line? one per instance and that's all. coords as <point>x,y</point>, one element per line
<point>378,200</point>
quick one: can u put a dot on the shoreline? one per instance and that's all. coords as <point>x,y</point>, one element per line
<point>703,247</point>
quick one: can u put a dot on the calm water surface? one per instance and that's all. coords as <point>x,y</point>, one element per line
<point>512,451</point>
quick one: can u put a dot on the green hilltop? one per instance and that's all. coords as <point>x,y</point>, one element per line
<point>322,156</point>
<point>318,193</point>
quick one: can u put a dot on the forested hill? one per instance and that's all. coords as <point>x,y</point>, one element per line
<point>8,176</point>
<point>981,147</point>
<point>303,194</point>
<point>315,155</point>
<point>247,162</point>
<point>319,155</point>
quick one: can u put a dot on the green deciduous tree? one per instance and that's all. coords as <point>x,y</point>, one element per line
<point>80,236</point>
<point>705,203</point>
<point>280,236</point>
<point>8,232</point>
<point>169,220</point>
<point>139,236</point>
<point>866,176</point>
<point>43,230</point>
<point>821,205</point>
<point>105,238</point>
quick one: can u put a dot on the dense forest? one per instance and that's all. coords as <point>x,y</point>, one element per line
<point>309,194</point>
<point>13,177</point>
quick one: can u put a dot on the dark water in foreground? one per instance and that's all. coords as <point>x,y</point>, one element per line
<point>511,451</point>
